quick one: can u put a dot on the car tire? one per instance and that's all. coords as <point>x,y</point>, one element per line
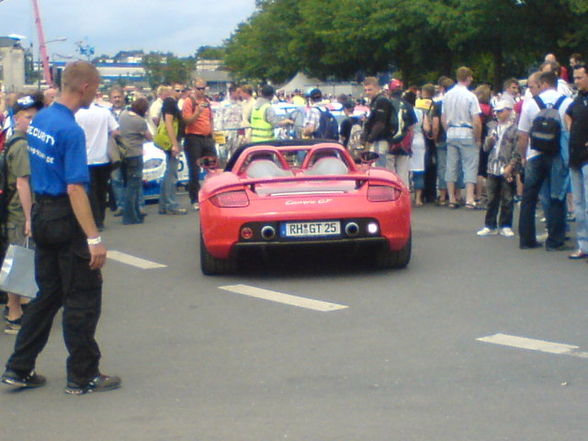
<point>211,266</point>
<point>387,259</point>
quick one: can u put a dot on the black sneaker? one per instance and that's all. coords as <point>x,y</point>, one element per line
<point>101,383</point>
<point>32,379</point>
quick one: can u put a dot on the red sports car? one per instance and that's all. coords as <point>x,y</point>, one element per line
<point>287,194</point>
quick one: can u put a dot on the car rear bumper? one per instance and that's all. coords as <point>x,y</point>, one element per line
<point>242,249</point>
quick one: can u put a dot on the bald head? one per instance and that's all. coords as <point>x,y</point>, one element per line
<point>78,74</point>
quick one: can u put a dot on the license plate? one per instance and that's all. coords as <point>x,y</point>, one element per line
<point>310,229</point>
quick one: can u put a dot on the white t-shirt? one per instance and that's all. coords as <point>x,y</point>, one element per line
<point>531,109</point>
<point>97,122</point>
<point>459,107</point>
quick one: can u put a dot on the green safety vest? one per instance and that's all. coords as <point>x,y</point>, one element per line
<point>261,130</point>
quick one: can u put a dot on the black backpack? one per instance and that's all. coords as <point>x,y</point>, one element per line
<point>399,119</point>
<point>6,193</point>
<point>328,127</point>
<point>546,127</point>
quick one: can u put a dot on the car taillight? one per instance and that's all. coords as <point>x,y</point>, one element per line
<point>383,193</point>
<point>231,199</point>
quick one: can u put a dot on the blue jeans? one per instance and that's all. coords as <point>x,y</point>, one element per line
<point>134,172</point>
<point>168,187</point>
<point>580,191</point>
<point>117,182</point>
<point>555,174</point>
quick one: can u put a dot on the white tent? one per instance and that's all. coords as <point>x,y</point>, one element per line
<point>301,82</point>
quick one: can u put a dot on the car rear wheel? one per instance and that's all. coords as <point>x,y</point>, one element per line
<point>210,265</point>
<point>387,258</point>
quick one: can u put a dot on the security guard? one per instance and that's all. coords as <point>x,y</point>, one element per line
<point>69,251</point>
<point>264,118</point>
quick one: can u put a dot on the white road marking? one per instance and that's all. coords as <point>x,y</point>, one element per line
<point>274,296</point>
<point>534,345</point>
<point>133,261</point>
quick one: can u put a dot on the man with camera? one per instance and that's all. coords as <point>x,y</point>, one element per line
<point>199,140</point>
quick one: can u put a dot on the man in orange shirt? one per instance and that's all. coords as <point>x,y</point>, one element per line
<point>199,140</point>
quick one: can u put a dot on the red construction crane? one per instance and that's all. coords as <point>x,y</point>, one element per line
<point>42,45</point>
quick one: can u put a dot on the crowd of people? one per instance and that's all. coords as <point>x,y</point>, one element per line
<point>450,145</point>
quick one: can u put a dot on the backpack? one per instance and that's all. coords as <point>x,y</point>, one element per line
<point>5,193</point>
<point>328,127</point>
<point>546,127</point>
<point>399,120</point>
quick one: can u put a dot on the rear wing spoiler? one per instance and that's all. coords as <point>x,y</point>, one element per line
<point>359,180</point>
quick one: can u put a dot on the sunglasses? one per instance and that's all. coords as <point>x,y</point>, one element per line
<point>200,88</point>
<point>177,90</point>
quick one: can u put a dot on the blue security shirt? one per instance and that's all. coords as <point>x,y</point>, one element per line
<point>57,151</point>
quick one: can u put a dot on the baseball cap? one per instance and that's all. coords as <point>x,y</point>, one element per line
<point>395,84</point>
<point>315,93</point>
<point>502,105</point>
<point>26,102</point>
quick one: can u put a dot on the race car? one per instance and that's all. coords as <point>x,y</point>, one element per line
<point>154,162</point>
<point>297,194</point>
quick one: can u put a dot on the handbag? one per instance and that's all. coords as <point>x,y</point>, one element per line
<point>17,275</point>
<point>161,138</point>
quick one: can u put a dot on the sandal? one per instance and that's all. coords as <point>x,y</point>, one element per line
<point>453,205</point>
<point>470,206</point>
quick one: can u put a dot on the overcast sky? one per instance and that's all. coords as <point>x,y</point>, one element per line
<point>178,26</point>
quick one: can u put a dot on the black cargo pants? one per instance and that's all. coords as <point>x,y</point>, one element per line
<point>65,279</point>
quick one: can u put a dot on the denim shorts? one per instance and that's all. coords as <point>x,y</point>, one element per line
<point>462,154</point>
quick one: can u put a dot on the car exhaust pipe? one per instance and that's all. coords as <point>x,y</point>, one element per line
<point>268,232</point>
<point>352,229</point>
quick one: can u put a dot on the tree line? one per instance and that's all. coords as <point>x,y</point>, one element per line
<point>417,39</point>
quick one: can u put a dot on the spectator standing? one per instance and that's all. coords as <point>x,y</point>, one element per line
<point>541,167</point>
<point>439,135</point>
<point>248,102</point>
<point>154,114</point>
<point>503,162</point>
<point>417,159</point>
<point>461,120</point>
<point>376,130</point>
<point>575,59</point>
<point>117,184</point>
<point>511,93</point>
<point>562,85</point>
<point>133,133</point>
<point>347,124</point>
<point>199,142</point>
<point>263,117</point>
<point>563,71</point>
<point>577,119</point>
<point>400,138</point>
<point>232,119</point>
<point>69,251</point>
<point>484,95</point>
<point>49,96</point>
<point>98,124</point>
<point>171,117</point>
<point>312,115</point>
<point>19,195</point>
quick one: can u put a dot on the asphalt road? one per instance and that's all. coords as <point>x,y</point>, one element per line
<point>400,362</point>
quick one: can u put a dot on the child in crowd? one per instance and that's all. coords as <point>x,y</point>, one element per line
<point>503,162</point>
